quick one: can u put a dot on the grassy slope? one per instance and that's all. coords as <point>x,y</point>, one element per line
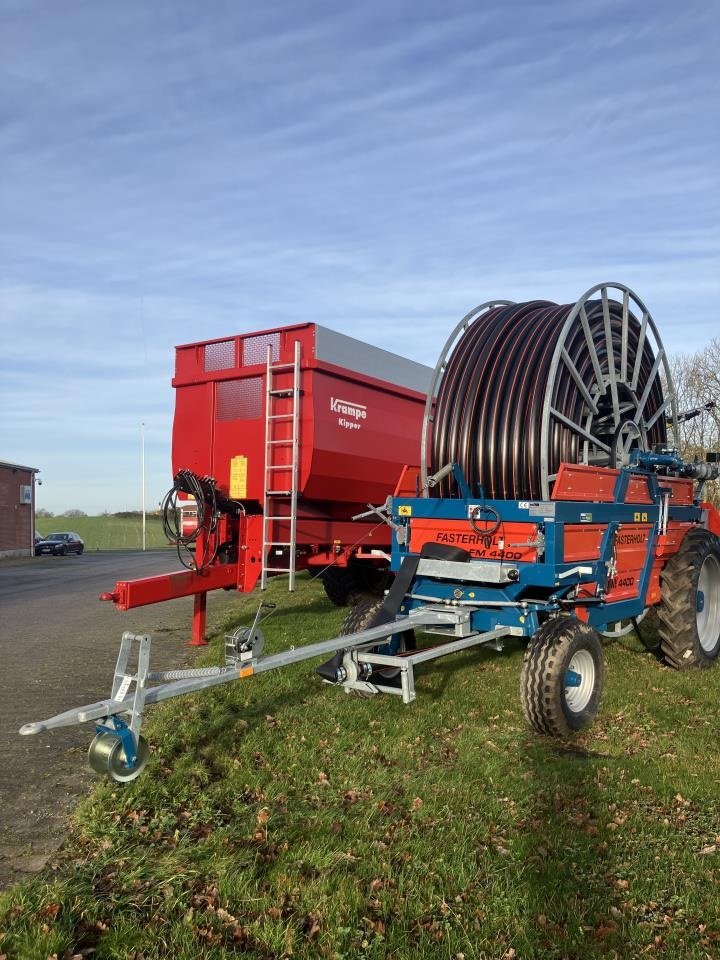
<point>107,533</point>
<point>281,817</point>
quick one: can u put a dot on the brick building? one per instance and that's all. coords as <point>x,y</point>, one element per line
<point>17,510</point>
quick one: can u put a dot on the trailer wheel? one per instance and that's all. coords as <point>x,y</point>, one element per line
<point>340,586</point>
<point>107,756</point>
<point>562,677</point>
<point>689,608</point>
<point>371,580</point>
<point>366,615</point>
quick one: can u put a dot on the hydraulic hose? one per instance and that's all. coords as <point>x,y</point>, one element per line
<point>591,366</point>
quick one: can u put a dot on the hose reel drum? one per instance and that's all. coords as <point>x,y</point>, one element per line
<point>522,387</point>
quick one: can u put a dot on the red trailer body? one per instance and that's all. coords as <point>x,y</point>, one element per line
<point>359,418</point>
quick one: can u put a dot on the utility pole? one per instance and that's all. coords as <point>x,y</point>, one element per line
<point>142,471</point>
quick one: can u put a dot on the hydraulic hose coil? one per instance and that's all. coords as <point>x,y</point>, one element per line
<point>529,386</point>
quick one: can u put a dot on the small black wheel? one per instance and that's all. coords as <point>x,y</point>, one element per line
<point>689,608</point>
<point>340,586</point>
<point>62,552</point>
<point>562,677</point>
<point>366,615</point>
<point>80,551</point>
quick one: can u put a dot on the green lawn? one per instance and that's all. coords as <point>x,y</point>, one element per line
<point>108,533</point>
<point>281,817</point>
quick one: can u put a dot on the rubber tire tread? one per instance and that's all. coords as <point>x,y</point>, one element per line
<point>544,666</point>
<point>341,586</point>
<point>676,612</point>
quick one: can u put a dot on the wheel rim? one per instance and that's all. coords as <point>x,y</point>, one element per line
<point>579,692</point>
<point>708,604</point>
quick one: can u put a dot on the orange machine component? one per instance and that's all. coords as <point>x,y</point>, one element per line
<point>510,542</point>
<point>579,482</point>
<point>713,517</point>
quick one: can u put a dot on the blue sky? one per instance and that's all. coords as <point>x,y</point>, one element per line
<point>173,171</point>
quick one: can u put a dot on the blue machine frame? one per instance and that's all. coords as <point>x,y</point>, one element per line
<point>516,603</point>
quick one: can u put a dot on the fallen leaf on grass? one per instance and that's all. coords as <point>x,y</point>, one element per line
<point>710,848</point>
<point>417,803</point>
<point>605,929</point>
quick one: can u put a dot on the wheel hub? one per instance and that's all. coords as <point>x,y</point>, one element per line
<point>579,680</point>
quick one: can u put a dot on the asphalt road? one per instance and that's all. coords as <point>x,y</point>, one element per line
<point>58,646</point>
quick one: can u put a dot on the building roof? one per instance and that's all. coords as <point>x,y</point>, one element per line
<point>19,466</point>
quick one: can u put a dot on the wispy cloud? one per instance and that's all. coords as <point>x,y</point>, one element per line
<point>172,174</point>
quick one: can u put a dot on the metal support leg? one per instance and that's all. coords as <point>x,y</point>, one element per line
<point>199,621</point>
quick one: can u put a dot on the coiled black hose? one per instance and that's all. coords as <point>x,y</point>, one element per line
<point>205,496</point>
<point>497,383</point>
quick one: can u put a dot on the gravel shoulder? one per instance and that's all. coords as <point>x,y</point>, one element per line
<point>58,645</point>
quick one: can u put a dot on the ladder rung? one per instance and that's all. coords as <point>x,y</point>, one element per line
<point>281,416</point>
<point>278,493</point>
<point>279,466</point>
<point>279,518</point>
<point>281,393</point>
<point>276,569</point>
<point>278,543</point>
<point>279,441</point>
<point>282,366</point>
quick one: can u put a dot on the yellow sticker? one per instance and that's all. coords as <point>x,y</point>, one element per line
<point>405,510</point>
<point>640,517</point>
<point>238,478</point>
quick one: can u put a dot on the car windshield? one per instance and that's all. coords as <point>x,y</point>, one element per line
<point>57,536</point>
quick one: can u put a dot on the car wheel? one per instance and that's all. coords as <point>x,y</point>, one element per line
<point>62,551</point>
<point>80,550</point>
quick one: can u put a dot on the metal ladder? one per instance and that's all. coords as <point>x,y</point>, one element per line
<point>275,497</point>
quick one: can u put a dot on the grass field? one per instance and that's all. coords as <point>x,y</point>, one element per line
<point>280,817</point>
<point>108,533</point>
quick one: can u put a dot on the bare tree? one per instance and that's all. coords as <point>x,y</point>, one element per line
<point>696,377</point>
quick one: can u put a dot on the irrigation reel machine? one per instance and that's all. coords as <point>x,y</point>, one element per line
<point>551,505</point>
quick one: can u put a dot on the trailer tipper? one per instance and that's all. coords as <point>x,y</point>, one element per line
<point>282,436</point>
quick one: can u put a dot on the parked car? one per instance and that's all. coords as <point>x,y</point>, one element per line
<point>58,544</point>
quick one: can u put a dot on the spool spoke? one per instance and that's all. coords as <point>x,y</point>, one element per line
<point>639,353</point>
<point>659,412</point>
<point>567,360</point>
<point>624,343</point>
<point>581,431</point>
<point>649,385</point>
<point>610,357</point>
<point>591,347</point>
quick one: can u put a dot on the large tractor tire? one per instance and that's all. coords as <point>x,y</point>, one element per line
<point>689,608</point>
<point>346,586</point>
<point>371,581</point>
<point>562,677</point>
<point>341,587</point>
